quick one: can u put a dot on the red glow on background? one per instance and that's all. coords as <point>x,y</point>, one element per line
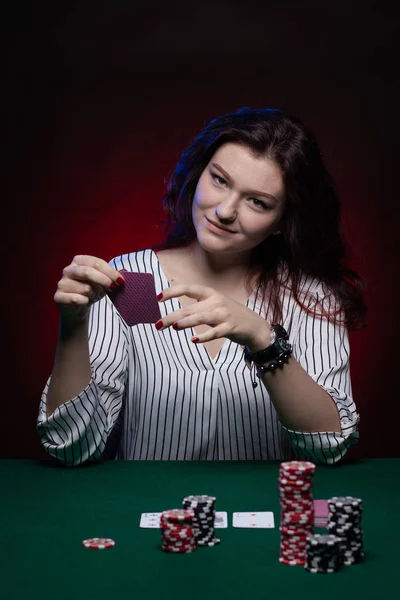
<point>95,186</point>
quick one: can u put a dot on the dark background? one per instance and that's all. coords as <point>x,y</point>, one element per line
<point>100,99</point>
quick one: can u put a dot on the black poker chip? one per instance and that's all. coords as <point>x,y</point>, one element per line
<point>203,508</point>
<point>323,553</point>
<point>345,522</point>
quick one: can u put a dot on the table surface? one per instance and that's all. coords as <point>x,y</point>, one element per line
<point>47,510</point>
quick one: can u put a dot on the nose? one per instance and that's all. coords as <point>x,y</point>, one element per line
<point>227,210</point>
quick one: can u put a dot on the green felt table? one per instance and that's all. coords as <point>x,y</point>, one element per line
<point>47,510</point>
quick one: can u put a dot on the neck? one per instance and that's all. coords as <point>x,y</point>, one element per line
<point>211,266</point>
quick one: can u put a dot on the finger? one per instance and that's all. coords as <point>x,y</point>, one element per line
<point>204,318</point>
<point>198,292</point>
<point>100,265</point>
<point>89,275</point>
<point>70,286</point>
<point>212,334</point>
<point>72,299</point>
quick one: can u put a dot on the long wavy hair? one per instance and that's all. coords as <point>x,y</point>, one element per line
<point>311,242</point>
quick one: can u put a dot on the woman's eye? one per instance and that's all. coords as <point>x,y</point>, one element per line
<point>259,204</point>
<point>218,179</point>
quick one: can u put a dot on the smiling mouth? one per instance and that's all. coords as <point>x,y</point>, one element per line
<point>219,227</point>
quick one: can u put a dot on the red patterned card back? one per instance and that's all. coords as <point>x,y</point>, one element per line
<point>136,301</point>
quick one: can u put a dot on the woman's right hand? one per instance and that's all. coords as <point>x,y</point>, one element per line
<point>85,281</point>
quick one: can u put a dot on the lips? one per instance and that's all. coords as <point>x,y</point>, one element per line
<point>219,227</point>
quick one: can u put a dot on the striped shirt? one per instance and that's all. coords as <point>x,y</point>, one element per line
<point>154,395</point>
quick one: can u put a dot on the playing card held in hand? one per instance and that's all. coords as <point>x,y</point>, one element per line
<point>136,301</point>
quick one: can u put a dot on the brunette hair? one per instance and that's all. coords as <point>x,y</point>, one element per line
<point>312,240</point>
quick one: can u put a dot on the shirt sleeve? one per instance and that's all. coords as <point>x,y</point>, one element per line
<point>322,349</point>
<point>79,429</point>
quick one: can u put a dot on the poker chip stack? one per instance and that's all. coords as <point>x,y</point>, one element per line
<point>323,554</point>
<point>344,521</point>
<point>203,508</point>
<point>177,534</point>
<point>297,510</point>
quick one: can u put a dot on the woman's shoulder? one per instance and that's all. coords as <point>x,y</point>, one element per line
<point>138,261</point>
<point>310,288</point>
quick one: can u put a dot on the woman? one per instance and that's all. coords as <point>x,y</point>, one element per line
<point>251,281</point>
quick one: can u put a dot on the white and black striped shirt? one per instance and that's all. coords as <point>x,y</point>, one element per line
<point>154,395</point>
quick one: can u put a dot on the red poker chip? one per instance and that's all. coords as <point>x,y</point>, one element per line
<point>294,478</point>
<point>294,490</point>
<point>164,527</point>
<point>179,550</point>
<point>175,524</point>
<point>303,501</point>
<point>98,543</point>
<point>298,546</point>
<point>295,510</point>
<point>302,519</point>
<point>294,482</point>
<point>286,490</point>
<point>300,552</point>
<point>178,544</point>
<point>182,536</point>
<point>177,515</point>
<point>296,473</point>
<point>295,563</point>
<point>303,466</point>
<point>291,540</point>
<point>299,530</point>
<point>177,534</point>
<point>293,553</point>
<point>287,545</point>
<point>297,514</point>
<point>296,499</point>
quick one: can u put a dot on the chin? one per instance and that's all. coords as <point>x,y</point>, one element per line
<point>216,247</point>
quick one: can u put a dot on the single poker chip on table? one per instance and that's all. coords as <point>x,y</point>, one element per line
<point>98,543</point>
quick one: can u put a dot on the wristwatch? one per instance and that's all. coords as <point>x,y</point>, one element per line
<point>279,347</point>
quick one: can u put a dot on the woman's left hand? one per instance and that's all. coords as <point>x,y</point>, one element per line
<point>226,317</point>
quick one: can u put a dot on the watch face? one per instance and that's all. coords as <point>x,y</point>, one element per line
<point>281,332</point>
<point>284,344</point>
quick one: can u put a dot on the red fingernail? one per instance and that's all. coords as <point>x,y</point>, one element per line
<point>175,325</point>
<point>195,340</point>
<point>120,281</point>
<point>159,324</point>
<point>113,286</point>
<point>159,297</point>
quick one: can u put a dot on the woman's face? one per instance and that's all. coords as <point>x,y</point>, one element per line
<point>240,192</point>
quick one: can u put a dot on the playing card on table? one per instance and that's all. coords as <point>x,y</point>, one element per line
<point>152,520</point>
<point>321,513</point>
<point>254,520</point>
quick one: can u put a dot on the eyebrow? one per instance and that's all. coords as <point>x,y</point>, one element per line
<point>255,192</point>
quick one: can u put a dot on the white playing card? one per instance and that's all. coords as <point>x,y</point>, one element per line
<point>152,520</point>
<point>254,520</point>
<point>221,520</point>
